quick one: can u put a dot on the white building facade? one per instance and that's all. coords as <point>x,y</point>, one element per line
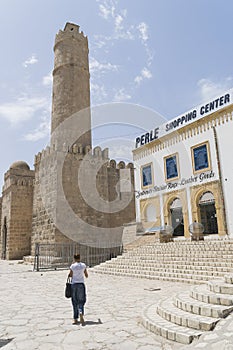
<point>184,170</point>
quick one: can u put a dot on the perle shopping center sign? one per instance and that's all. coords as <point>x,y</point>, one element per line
<point>193,115</point>
<point>202,177</point>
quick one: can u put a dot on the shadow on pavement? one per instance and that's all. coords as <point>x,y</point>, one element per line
<point>89,323</point>
<point>4,342</point>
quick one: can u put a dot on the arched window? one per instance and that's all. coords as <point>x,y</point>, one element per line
<point>176,204</point>
<point>207,198</point>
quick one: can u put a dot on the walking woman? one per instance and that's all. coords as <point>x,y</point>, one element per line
<point>77,272</point>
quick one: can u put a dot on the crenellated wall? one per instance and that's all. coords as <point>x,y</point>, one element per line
<point>102,177</point>
<point>16,218</point>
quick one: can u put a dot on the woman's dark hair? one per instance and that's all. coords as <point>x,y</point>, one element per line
<point>77,256</point>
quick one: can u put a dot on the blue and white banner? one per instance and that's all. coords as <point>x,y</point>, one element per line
<point>194,114</point>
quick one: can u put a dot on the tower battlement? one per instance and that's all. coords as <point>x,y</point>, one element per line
<point>70,30</point>
<point>77,150</point>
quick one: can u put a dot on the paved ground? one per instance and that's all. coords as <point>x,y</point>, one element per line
<point>34,314</point>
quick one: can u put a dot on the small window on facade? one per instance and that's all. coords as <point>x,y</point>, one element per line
<point>146,175</point>
<point>171,167</point>
<point>201,157</point>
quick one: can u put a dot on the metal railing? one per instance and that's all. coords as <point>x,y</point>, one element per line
<point>60,255</point>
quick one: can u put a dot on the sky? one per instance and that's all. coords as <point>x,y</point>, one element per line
<point>165,55</point>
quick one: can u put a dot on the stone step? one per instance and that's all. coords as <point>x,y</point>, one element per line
<point>155,265</point>
<point>187,245</point>
<point>179,247</point>
<point>185,302</point>
<point>156,324</point>
<point>162,278</point>
<point>193,244</point>
<point>205,246</point>
<point>182,251</point>
<point>174,257</point>
<point>202,293</point>
<point>201,275</point>
<point>140,260</point>
<point>220,287</point>
<point>152,270</point>
<point>198,263</point>
<point>167,310</point>
<point>153,260</point>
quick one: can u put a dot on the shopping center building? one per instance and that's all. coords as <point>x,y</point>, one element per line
<point>184,170</point>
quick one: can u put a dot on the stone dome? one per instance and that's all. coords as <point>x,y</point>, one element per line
<point>20,165</point>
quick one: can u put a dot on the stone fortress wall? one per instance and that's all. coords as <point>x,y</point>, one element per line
<point>107,184</point>
<point>16,213</point>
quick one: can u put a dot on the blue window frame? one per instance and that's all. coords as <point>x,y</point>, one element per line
<point>171,167</point>
<point>200,157</point>
<point>147,175</point>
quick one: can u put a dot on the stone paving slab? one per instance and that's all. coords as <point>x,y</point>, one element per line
<point>34,314</point>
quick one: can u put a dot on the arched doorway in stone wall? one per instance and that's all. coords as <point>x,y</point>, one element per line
<point>176,215</point>
<point>207,211</point>
<point>4,239</point>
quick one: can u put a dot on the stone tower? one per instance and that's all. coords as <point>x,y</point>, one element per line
<point>17,199</point>
<point>59,184</point>
<point>71,79</point>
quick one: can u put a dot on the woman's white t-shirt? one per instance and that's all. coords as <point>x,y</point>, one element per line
<point>78,272</point>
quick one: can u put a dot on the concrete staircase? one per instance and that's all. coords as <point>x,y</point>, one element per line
<point>182,261</point>
<point>187,315</point>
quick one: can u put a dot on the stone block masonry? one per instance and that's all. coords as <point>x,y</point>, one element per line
<point>48,209</point>
<point>17,202</point>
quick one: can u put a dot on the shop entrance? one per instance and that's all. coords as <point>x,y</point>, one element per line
<point>208,213</point>
<point>177,217</point>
